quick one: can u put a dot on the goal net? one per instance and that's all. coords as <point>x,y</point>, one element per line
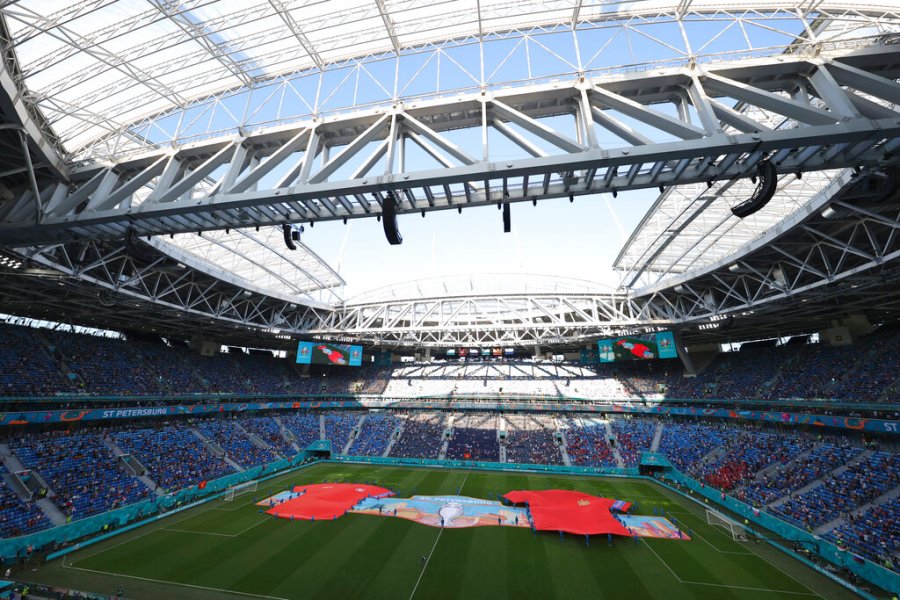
<point>241,488</point>
<point>738,531</point>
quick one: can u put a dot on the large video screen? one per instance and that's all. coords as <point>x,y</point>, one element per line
<point>647,346</point>
<point>323,353</point>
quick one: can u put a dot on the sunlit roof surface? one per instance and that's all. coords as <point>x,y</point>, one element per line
<point>257,260</point>
<point>691,226</point>
<point>99,69</point>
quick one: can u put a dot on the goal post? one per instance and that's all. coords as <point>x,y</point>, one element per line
<point>738,531</point>
<point>241,488</point>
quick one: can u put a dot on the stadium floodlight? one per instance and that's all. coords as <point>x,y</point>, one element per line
<point>829,212</point>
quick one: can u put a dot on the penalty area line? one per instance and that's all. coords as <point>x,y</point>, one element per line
<point>128,539</point>
<point>754,589</point>
<point>713,546</point>
<point>725,585</point>
<point>199,587</point>
<point>216,533</point>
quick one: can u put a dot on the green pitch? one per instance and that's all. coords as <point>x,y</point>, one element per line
<point>230,550</point>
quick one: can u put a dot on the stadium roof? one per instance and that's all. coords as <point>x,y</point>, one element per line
<point>99,69</point>
<point>107,79</point>
<point>487,284</point>
<point>691,226</point>
<point>257,260</point>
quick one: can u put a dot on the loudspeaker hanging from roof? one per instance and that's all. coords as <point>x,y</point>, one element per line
<point>765,189</point>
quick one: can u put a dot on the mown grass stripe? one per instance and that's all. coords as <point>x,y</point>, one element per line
<point>378,557</point>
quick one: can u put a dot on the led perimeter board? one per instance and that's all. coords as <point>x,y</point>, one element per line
<point>638,347</point>
<point>323,353</point>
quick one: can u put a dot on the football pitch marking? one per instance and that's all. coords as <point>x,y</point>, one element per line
<point>751,553</point>
<point>436,540</point>
<point>191,514</point>
<point>227,535</point>
<point>713,546</point>
<point>725,585</point>
<point>129,539</point>
<point>199,587</point>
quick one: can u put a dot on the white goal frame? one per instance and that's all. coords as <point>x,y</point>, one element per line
<point>738,531</point>
<point>241,488</point>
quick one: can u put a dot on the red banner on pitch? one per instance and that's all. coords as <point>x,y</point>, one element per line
<point>572,512</point>
<point>325,501</point>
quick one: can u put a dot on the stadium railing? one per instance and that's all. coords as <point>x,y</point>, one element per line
<point>13,417</point>
<point>806,404</point>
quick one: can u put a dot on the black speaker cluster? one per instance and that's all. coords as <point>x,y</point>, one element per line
<point>766,184</point>
<point>389,220</point>
<point>291,235</point>
<point>138,250</point>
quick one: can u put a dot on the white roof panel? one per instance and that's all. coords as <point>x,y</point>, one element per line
<point>184,51</point>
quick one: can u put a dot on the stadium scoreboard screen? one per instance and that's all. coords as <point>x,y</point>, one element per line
<point>638,347</point>
<point>323,353</point>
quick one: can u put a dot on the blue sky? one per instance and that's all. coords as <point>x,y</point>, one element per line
<point>556,237</point>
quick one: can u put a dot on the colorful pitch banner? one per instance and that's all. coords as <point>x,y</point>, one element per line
<point>446,511</point>
<point>320,353</point>
<point>546,510</point>
<point>653,527</point>
<point>648,346</point>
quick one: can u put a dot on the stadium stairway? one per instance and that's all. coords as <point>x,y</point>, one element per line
<point>58,359</point>
<point>13,465</point>
<point>322,435</point>
<point>446,445</point>
<point>51,511</point>
<point>657,437</point>
<point>257,441</point>
<point>835,523</point>
<point>395,435</point>
<point>816,483</point>
<point>287,434</point>
<point>354,434</point>
<point>786,467</point>
<point>564,447</point>
<point>712,456</point>
<point>615,449</point>
<point>132,465</point>
<point>217,450</point>
<point>890,391</point>
<point>502,427</point>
